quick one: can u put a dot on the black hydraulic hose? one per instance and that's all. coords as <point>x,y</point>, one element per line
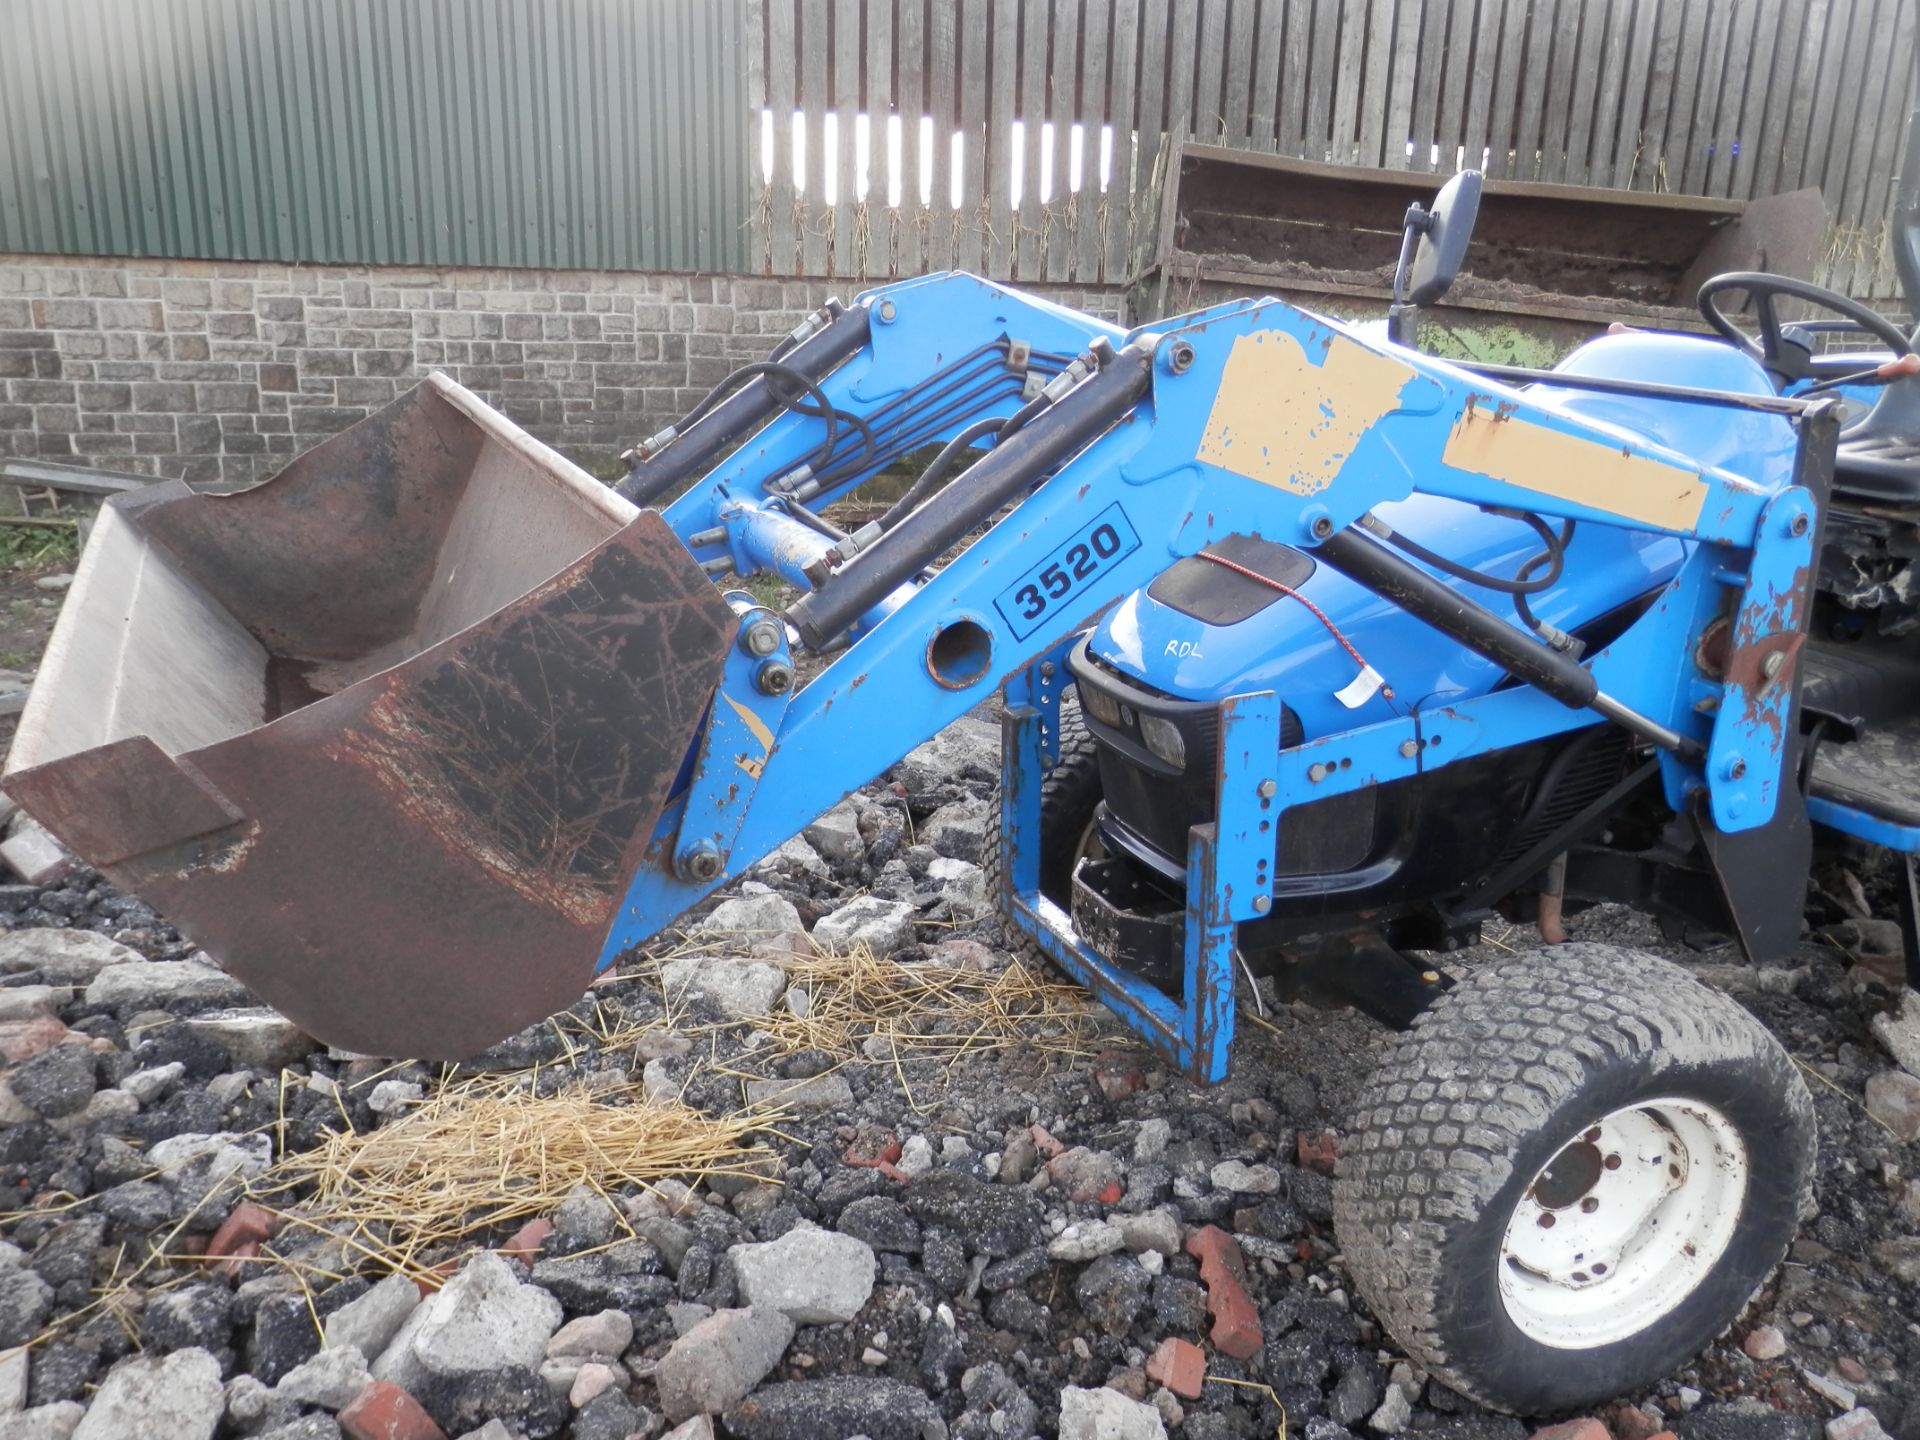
<point>748,406</point>
<point>1555,556</point>
<point>939,468</point>
<point>1519,585</point>
<point>1002,475</point>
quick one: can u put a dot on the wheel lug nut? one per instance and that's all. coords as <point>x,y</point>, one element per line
<point>1589,1205</point>
<point>1546,1222</point>
<point>1613,1162</point>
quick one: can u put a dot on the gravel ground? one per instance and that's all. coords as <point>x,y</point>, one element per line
<point>1006,1245</point>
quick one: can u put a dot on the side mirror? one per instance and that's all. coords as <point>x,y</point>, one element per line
<point>1443,239</point>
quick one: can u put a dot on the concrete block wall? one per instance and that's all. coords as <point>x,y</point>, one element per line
<point>218,373</point>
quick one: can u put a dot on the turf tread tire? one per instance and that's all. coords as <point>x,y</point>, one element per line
<point>1494,1070</point>
<point>1069,792</point>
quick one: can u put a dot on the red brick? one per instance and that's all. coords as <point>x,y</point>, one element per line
<point>383,1411</point>
<point>248,1224</point>
<point>1044,1142</point>
<point>1236,1324</point>
<point>1181,1366</point>
<point>528,1239</point>
<point>234,1263</point>
<point>1317,1152</point>
<point>1585,1428</point>
<point>428,1282</point>
<point>21,1040</point>
<point>870,1152</point>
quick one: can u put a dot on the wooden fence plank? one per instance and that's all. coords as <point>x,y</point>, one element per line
<point>1428,68</point>
<point>998,175</point>
<point>1457,79</point>
<point>1593,162</point>
<point>1062,75</point>
<point>757,104</point>
<point>1650,169</point>
<point>1089,201</point>
<point>1263,115</point>
<point>1738,81</point>
<point>814,104</point>
<point>1236,100</point>
<point>1814,40</point>
<point>1686,92</point>
<point>1839,64</point>
<point>1150,130</point>
<point>910,98</point>
<point>1317,125</point>
<point>782,196</point>
<point>1870,154</point>
<point>942,66</point>
<point>972,221</point>
<point>1183,33</point>
<point>1296,62</point>
<point>1124,94</point>
<point>847,259</point>
<point>1486,52</point>
<point>1033,106</point>
<point>1631,105</point>
<point>1503,107</point>
<point>1209,124</point>
<point>1349,81</point>
<point>1756,169</point>
<point>877,68</point>
<point>1706,137</point>
<point>1377,76</point>
<point>1557,111</point>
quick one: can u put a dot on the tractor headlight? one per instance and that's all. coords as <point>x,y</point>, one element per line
<point>1102,706</point>
<point>1164,739</point>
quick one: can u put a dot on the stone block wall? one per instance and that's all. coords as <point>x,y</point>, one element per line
<point>218,373</point>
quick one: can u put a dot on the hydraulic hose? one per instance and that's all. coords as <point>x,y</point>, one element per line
<point>1002,475</point>
<point>686,451</point>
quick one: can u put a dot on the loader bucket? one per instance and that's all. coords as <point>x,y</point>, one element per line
<point>388,734</point>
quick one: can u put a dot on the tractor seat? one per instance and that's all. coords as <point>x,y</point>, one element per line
<point>1879,457</point>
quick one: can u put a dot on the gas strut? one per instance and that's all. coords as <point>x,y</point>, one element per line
<point>1360,557</point>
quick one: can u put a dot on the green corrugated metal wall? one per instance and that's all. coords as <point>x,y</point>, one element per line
<point>590,134</point>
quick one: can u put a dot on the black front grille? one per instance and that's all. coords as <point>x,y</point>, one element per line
<point>1154,804</point>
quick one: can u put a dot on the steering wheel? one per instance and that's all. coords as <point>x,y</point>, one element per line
<point>1772,349</point>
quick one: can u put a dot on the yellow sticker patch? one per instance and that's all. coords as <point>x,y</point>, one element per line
<point>1595,473</point>
<point>1284,421</point>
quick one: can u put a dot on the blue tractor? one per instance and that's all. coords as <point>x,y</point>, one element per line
<point>1314,654</point>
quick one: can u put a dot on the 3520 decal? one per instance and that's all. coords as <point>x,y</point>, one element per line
<point>1090,550</point>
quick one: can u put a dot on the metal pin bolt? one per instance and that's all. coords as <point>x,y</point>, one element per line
<point>700,861</point>
<point>1322,528</point>
<point>773,677</point>
<point>760,638</point>
<point>1262,904</point>
<point>1736,768</point>
<point>887,312</point>
<point>1773,664</point>
<point>1799,526</point>
<point>1047,667</point>
<point>1268,789</point>
<point>1409,748</point>
<point>1179,357</point>
<point>1317,772</point>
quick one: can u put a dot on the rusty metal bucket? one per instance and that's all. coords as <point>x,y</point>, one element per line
<point>388,734</point>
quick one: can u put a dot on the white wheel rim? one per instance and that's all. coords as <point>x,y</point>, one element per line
<point>1623,1224</point>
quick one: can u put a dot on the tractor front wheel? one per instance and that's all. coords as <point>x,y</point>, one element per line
<point>1069,796</point>
<point>1571,1175</point>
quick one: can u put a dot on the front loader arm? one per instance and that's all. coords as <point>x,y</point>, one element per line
<point>1261,419</point>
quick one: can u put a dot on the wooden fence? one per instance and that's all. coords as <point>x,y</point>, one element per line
<point>902,136</point>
